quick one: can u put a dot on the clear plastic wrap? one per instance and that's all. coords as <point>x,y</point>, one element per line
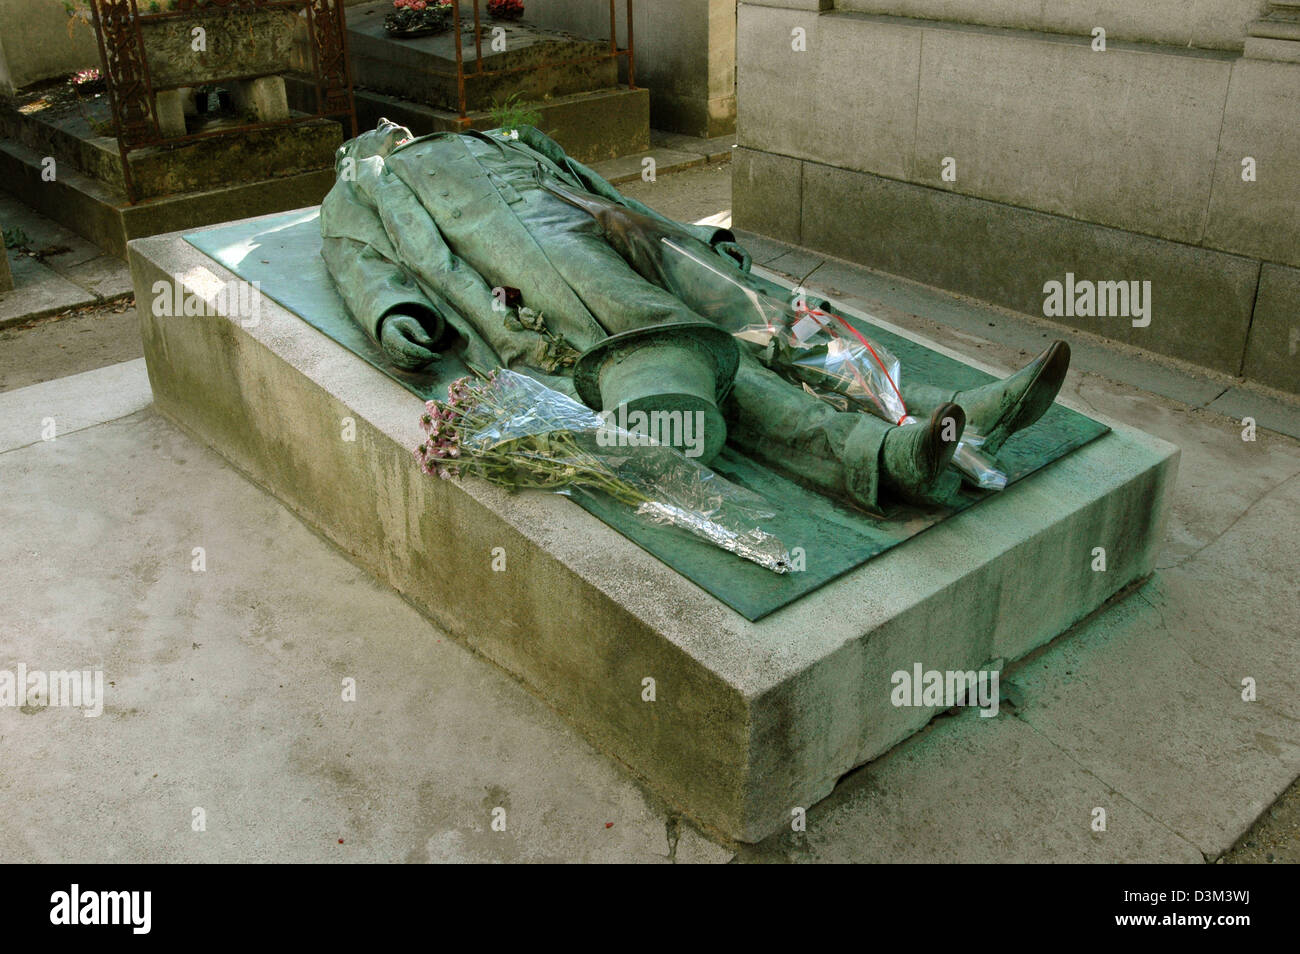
<point>514,431</point>
<point>830,357</point>
<point>975,464</point>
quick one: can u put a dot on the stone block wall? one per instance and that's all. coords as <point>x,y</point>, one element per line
<point>685,55</point>
<point>991,146</point>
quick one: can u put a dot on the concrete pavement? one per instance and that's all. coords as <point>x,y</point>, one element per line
<point>225,685</point>
<point>55,269</point>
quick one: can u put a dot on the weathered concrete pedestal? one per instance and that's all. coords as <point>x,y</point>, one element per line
<point>749,721</point>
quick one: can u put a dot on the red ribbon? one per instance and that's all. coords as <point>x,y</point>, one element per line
<point>817,313</point>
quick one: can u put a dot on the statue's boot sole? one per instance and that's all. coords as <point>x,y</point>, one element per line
<point>915,457</point>
<point>996,411</point>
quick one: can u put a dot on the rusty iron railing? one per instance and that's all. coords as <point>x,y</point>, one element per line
<point>613,54</point>
<point>133,95</point>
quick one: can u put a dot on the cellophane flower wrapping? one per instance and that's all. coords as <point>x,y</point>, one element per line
<point>515,432</point>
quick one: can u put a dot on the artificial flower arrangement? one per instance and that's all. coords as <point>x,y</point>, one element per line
<point>519,434</point>
<point>87,81</point>
<point>506,9</point>
<point>418,17</point>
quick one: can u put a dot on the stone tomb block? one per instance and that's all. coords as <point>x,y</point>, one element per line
<point>750,720</point>
<point>423,69</point>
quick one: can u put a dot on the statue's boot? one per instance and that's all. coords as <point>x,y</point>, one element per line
<point>997,410</point>
<point>915,457</point>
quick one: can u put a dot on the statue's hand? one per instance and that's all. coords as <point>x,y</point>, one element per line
<point>406,342</point>
<point>735,252</point>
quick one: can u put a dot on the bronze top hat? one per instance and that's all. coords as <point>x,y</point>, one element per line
<point>677,373</point>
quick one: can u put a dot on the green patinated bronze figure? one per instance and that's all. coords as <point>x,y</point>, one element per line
<point>503,249</point>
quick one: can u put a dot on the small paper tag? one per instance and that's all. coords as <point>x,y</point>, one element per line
<point>805,328</point>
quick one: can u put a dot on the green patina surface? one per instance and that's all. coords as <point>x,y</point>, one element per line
<point>282,255</point>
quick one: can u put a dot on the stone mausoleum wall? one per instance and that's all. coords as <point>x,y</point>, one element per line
<point>989,147</point>
<point>35,43</point>
<point>685,55</point>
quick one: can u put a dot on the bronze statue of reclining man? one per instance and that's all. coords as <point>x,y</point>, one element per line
<point>503,248</point>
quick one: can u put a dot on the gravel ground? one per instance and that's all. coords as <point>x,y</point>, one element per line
<point>1274,838</point>
<point>687,196</point>
<point>68,343</point>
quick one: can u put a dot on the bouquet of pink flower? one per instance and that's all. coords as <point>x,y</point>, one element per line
<point>418,17</point>
<point>517,433</point>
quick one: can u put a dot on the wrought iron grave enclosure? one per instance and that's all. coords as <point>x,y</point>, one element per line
<point>614,53</point>
<point>132,92</point>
